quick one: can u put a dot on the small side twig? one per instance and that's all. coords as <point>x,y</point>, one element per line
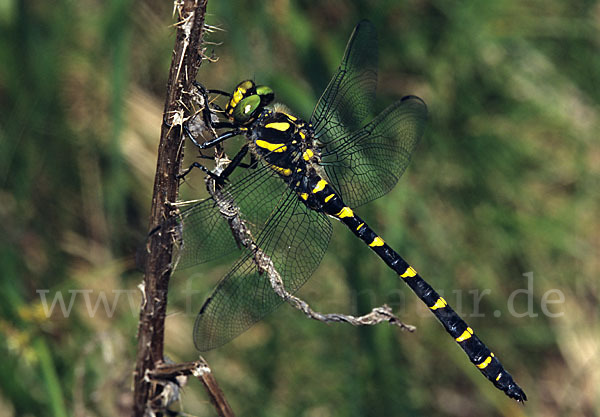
<point>200,370</point>
<point>377,315</point>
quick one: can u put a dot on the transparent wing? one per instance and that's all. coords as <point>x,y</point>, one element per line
<point>366,164</point>
<point>348,99</point>
<point>295,239</point>
<point>204,231</point>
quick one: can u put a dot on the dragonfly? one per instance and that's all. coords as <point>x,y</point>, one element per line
<point>286,183</point>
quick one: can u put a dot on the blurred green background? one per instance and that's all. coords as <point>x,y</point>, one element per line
<point>502,195</point>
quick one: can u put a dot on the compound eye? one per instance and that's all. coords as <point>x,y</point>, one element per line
<point>266,94</point>
<point>247,109</point>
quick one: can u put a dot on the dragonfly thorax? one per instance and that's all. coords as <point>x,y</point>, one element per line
<point>284,142</point>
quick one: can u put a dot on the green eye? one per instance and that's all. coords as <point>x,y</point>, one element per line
<point>247,101</point>
<point>247,109</point>
<point>266,94</point>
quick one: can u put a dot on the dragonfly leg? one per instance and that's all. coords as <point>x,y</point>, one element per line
<point>204,91</point>
<point>237,162</point>
<point>250,165</point>
<point>215,141</point>
<point>224,175</point>
<point>202,168</point>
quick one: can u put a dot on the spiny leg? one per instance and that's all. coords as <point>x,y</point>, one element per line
<point>221,138</point>
<point>223,176</point>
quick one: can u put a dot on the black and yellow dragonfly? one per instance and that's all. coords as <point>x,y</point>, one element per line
<point>299,175</point>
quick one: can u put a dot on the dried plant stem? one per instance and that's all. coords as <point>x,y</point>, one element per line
<point>187,57</point>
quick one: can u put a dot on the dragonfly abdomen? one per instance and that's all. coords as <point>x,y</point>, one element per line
<point>479,354</point>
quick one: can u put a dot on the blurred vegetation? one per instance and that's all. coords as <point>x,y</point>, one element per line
<point>504,183</point>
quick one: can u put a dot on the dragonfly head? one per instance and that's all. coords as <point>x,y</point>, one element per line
<point>247,101</point>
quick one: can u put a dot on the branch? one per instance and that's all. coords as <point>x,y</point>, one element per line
<point>151,394</point>
<point>200,370</point>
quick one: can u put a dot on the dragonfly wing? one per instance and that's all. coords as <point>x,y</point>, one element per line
<point>204,232</point>
<point>295,240</point>
<point>348,99</point>
<point>367,164</point>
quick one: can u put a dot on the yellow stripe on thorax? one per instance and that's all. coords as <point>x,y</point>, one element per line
<point>283,171</point>
<point>281,126</point>
<point>272,147</point>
